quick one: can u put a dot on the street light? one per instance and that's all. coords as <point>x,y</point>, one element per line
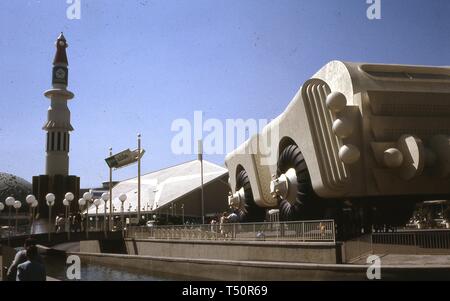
<point>114,216</point>
<point>30,200</point>
<point>9,202</point>
<point>105,198</point>
<point>69,197</point>
<point>122,198</point>
<point>81,203</point>
<point>182,212</point>
<point>87,196</point>
<point>17,205</point>
<point>139,180</point>
<point>33,208</point>
<point>200,157</point>
<point>2,206</point>
<point>67,204</point>
<point>97,202</point>
<point>50,198</point>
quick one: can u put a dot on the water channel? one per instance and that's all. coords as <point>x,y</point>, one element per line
<point>57,268</point>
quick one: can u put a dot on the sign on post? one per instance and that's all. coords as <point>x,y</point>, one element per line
<point>124,158</point>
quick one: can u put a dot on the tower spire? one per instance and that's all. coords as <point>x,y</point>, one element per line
<point>60,55</point>
<point>58,125</point>
<point>56,179</point>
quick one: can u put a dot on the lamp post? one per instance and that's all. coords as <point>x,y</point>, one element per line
<point>9,202</point>
<point>111,224</point>
<point>114,218</point>
<point>30,200</point>
<point>69,197</point>
<point>97,202</point>
<point>81,204</point>
<point>182,212</point>
<point>139,180</point>
<point>87,196</point>
<point>200,157</point>
<point>50,198</point>
<point>105,198</point>
<point>33,208</point>
<point>2,206</point>
<point>122,198</point>
<point>66,204</point>
<point>17,205</point>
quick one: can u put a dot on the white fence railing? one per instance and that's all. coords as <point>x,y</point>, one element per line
<point>306,231</point>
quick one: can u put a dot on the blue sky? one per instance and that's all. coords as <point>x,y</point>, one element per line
<point>135,66</point>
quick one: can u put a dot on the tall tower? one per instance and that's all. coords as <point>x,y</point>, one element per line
<point>57,179</point>
<point>58,125</point>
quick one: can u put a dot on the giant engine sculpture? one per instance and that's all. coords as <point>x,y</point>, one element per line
<point>360,143</point>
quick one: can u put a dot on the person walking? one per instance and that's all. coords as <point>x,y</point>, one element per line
<point>20,258</point>
<point>233,219</point>
<point>56,222</point>
<point>213,224</point>
<point>61,223</point>
<point>222,226</point>
<point>33,269</point>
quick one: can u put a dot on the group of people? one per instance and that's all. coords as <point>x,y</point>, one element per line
<point>74,223</point>
<point>27,264</point>
<point>225,218</point>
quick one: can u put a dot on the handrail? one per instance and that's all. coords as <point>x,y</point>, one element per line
<point>306,231</point>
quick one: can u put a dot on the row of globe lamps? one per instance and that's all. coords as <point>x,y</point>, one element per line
<point>87,197</point>
<point>11,202</point>
<point>68,198</point>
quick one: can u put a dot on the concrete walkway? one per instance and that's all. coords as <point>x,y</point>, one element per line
<point>410,260</point>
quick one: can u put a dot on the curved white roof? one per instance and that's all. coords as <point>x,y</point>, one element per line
<point>161,187</point>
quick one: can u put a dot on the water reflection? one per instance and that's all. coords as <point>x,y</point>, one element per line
<point>56,268</point>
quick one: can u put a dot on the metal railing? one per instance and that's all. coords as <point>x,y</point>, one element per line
<point>42,227</point>
<point>5,231</point>
<point>411,242</point>
<point>416,242</point>
<point>303,231</point>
